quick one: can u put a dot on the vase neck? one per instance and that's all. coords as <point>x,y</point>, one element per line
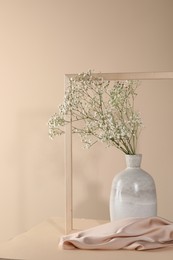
<point>133,161</point>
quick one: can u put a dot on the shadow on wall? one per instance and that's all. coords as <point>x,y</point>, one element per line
<point>39,169</point>
<point>94,206</point>
<point>93,171</point>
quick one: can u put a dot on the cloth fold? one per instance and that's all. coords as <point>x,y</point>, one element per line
<point>130,234</point>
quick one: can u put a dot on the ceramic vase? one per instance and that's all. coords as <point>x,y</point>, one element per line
<point>133,192</point>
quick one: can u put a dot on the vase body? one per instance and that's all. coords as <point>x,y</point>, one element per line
<point>133,192</point>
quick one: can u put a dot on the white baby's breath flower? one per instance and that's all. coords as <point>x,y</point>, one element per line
<point>100,111</point>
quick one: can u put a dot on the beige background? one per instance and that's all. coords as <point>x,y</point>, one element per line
<point>40,41</point>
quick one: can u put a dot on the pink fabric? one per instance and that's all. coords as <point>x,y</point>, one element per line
<point>132,234</point>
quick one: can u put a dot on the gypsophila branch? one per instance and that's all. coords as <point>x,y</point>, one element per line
<point>100,111</point>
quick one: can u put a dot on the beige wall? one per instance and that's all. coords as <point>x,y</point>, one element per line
<point>40,41</point>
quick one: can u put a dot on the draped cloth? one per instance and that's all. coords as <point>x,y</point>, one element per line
<point>130,234</point>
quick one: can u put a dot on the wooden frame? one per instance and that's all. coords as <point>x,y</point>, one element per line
<point>68,135</point>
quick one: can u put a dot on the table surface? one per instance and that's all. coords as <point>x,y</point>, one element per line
<point>41,243</point>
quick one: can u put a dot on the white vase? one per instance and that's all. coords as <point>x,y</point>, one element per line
<point>133,192</point>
